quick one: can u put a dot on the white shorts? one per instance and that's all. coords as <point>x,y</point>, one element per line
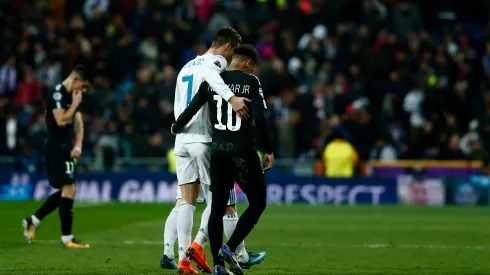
<point>205,195</point>
<point>192,161</point>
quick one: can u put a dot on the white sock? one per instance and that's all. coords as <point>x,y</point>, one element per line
<point>202,236</point>
<point>35,221</point>
<point>229,225</point>
<point>185,218</point>
<point>170,233</point>
<point>66,239</point>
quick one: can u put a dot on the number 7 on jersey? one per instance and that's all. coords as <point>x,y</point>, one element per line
<point>189,79</point>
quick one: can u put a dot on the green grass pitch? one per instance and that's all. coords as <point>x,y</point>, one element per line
<point>299,239</point>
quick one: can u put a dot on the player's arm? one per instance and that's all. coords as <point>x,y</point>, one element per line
<point>62,115</point>
<point>213,78</point>
<point>196,103</point>
<point>79,132</point>
<point>258,109</point>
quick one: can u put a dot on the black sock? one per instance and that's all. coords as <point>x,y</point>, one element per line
<point>215,224</point>
<point>51,203</point>
<point>66,215</point>
<point>249,218</point>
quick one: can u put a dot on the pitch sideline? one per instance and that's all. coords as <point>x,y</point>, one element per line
<point>367,246</point>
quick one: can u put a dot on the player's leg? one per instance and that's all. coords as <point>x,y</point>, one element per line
<point>202,234</point>
<point>252,182</point>
<point>66,211</point>
<point>66,177</point>
<point>31,223</point>
<point>230,220</point>
<point>222,174</point>
<point>185,217</point>
<point>170,236</point>
<point>187,176</point>
<point>201,153</point>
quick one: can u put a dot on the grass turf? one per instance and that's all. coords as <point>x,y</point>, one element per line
<point>299,239</point>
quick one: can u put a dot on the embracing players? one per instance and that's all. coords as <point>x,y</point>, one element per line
<point>234,154</point>
<point>193,145</point>
<point>63,122</point>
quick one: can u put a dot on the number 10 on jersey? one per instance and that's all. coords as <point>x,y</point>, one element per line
<point>229,124</point>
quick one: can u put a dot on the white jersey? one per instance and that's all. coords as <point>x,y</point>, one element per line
<point>202,68</point>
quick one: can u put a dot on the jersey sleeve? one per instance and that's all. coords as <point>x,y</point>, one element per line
<point>212,76</point>
<point>55,100</point>
<point>258,108</point>
<point>196,103</point>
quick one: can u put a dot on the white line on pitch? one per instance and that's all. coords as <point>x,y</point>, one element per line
<point>369,246</point>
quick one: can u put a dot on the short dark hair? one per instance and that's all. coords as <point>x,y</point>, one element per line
<point>226,35</point>
<point>81,72</point>
<point>246,51</point>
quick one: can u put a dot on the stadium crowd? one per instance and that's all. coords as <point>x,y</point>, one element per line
<point>397,79</point>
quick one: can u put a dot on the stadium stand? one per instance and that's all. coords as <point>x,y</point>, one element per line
<point>397,79</point>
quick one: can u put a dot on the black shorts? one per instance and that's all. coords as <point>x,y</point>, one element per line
<point>59,166</point>
<point>245,170</point>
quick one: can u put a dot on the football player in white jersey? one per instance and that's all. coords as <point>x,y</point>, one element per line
<point>192,146</point>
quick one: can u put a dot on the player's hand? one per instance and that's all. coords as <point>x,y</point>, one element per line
<point>76,98</point>
<point>239,106</point>
<point>268,161</point>
<point>172,130</point>
<point>76,152</point>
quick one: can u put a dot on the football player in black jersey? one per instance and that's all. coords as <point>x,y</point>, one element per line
<point>234,153</point>
<point>63,146</point>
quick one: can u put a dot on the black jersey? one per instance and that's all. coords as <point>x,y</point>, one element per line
<point>59,98</point>
<point>230,133</point>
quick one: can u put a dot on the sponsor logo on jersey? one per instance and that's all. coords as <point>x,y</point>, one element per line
<point>217,64</point>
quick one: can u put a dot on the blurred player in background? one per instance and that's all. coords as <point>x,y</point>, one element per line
<point>234,153</point>
<point>192,146</point>
<point>63,122</point>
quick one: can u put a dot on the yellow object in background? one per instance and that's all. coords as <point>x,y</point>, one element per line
<point>172,167</point>
<point>432,81</point>
<point>340,159</point>
<point>261,156</point>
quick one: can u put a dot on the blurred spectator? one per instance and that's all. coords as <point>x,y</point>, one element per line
<point>133,143</point>
<point>340,157</point>
<point>107,148</point>
<point>93,7</point>
<point>49,74</point>
<point>155,149</point>
<point>38,132</point>
<point>28,160</point>
<point>219,19</point>
<point>149,53</point>
<point>412,104</point>
<point>8,77</point>
<point>10,136</point>
<point>478,152</point>
<point>406,19</point>
<point>166,90</point>
<point>468,138</point>
<point>451,151</point>
<point>28,90</point>
<point>383,151</point>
